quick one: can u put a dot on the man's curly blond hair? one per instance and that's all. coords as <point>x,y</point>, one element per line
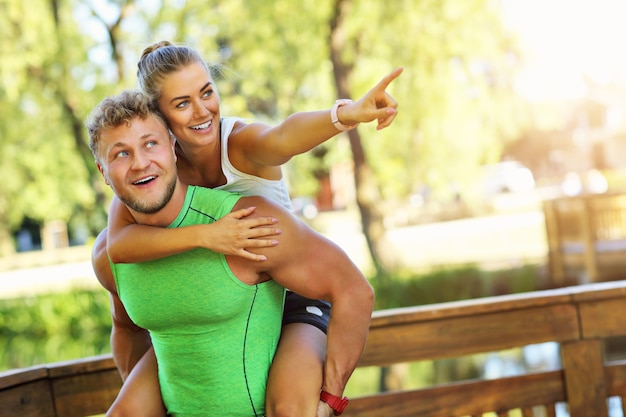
<point>118,110</point>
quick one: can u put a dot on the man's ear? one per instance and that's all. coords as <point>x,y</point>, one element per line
<point>101,170</point>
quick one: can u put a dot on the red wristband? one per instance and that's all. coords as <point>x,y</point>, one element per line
<point>334,402</point>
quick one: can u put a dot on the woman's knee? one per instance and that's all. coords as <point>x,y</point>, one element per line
<point>122,409</point>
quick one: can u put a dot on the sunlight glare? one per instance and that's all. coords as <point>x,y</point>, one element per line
<point>566,41</point>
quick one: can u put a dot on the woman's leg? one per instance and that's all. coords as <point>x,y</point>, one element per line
<point>140,395</point>
<point>295,378</point>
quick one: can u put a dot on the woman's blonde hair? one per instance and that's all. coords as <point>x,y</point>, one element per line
<point>160,59</point>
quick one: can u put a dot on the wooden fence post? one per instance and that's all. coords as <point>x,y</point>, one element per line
<point>589,240</point>
<point>583,365</point>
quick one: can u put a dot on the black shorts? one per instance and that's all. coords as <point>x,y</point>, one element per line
<point>304,310</point>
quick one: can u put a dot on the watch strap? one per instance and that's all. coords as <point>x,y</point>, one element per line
<point>335,119</point>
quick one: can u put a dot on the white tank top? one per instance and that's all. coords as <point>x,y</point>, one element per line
<point>246,184</point>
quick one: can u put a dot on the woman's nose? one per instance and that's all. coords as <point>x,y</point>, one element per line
<point>200,110</point>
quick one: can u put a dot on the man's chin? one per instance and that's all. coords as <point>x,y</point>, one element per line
<point>144,207</point>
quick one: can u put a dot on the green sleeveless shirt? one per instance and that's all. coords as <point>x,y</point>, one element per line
<point>214,336</point>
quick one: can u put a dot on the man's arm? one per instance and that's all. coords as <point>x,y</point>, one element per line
<point>311,265</point>
<point>129,342</point>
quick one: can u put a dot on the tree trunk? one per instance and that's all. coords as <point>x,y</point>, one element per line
<point>6,244</point>
<point>367,191</point>
<point>97,218</point>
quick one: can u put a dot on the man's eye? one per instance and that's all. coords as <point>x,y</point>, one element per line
<point>121,154</point>
<point>151,144</point>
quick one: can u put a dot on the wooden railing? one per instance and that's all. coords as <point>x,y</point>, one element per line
<point>68,389</point>
<point>586,237</point>
<point>580,319</point>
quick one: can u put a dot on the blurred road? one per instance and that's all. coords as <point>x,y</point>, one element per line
<point>44,279</point>
<point>503,240</point>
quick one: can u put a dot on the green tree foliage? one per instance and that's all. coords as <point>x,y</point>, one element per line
<point>46,167</point>
<point>455,96</point>
<point>54,327</point>
<point>60,58</point>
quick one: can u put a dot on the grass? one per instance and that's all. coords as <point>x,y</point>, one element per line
<point>453,284</point>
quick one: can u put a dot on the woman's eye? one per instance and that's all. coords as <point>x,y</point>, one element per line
<point>207,93</point>
<point>182,104</point>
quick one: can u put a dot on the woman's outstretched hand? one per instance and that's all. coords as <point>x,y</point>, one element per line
<point>376,104</point>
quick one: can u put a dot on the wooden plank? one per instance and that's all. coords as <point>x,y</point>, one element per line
<point>578,230</point>
<point>82,366</point>
<point>86,394</point>
<point>472,307</point>
<point>615,376</point>
<point>22,376</point>
<point>32,399</point>
<point>598,291</point>
<point>510,302</point>
<point>584,376</point>
<point>610,210</point>
<point>589,237</point>
<point>86,386</point>
<point>601,319</point>
<point>461,336</point>
<point>555,258</point>
<point>464,398</point>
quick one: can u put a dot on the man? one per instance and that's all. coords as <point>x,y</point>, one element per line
<point>214,320</point>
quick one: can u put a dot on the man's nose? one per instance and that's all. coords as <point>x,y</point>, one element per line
<point>141,161</point>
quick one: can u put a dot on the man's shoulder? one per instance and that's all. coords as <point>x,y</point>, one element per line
<point>209,202</point>
<point>198,192</point>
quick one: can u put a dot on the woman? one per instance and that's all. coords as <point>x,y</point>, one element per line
<point>229,154</point>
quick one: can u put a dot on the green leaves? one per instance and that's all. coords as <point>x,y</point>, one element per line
<point>456,106</point>
<point>55,327</point>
